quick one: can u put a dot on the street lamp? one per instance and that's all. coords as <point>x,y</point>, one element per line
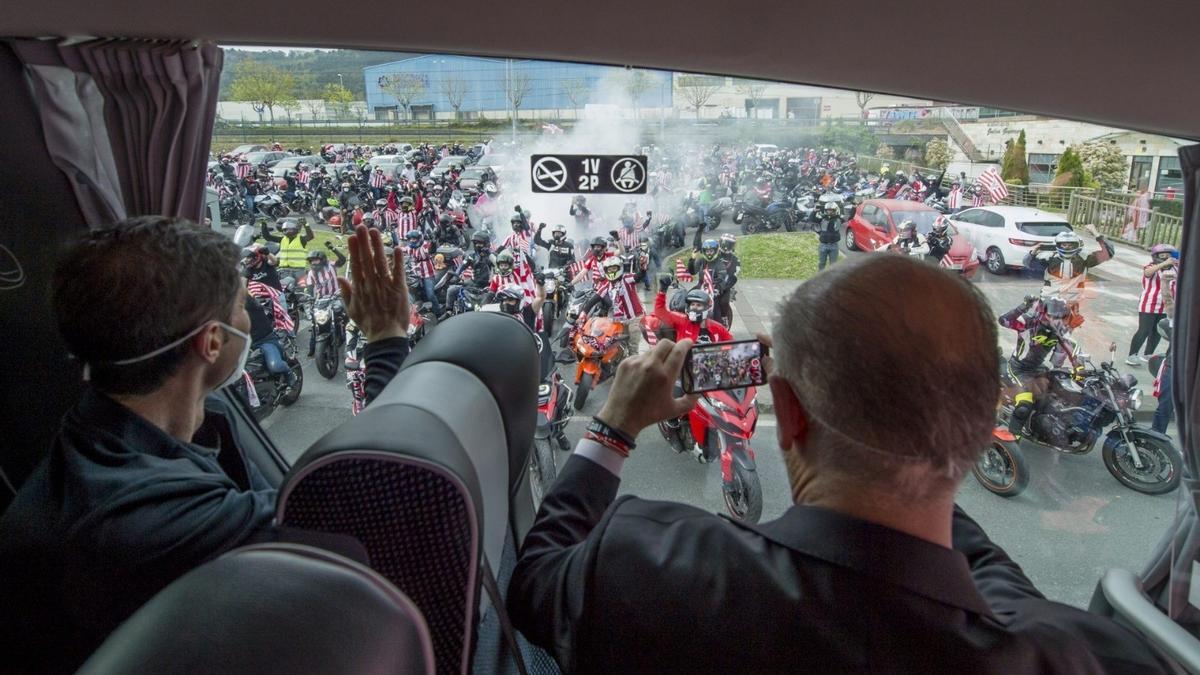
<point>340,82</point>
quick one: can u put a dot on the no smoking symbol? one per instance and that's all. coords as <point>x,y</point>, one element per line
<point>550,174</point>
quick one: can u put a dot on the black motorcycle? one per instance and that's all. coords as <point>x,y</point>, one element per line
<point>233,210</point>
<point>272,389</point>
<point>1081,401</point>
<point>296,299</point>
<point>329,325</point>
<point>302,201</point>
<point>558,287</point>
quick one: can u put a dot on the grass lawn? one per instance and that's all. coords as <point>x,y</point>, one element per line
<point>777,255</point>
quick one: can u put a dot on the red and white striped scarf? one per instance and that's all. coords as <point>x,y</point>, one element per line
<point>626,305</point>
<point>629,237</point>
<point>243,169</point>
<point>281,319</point>
<point>954,199</point>
<point>302,177</point>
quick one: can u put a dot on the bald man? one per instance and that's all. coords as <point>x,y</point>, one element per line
<point>874,569</point>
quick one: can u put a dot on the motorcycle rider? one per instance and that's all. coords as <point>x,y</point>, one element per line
<point>1063,269</point>
<point>908,240</point>
<point>420,265</point>
<point>293,246</point>
<point>939,240</point>
<point>506,274</point>
<point>561,250</point>
<point>582,214</point>
<point>829,235</point>
<point>616,295</point>
<point>322,282</point>
<point>259,265</point>
<point>475,272</point>
<point>592,264</point>
<point>714,276</point>
<point>1043,327</point>
<point>448,232</point>
<point>514,303</point>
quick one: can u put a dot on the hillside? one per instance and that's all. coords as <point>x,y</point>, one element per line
<point>313,69</point>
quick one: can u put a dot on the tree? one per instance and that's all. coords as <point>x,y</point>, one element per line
<point>862,98</point>
<point>339,97</point>
<point>1070,170</point>
<point>262,85</point>
<point>753,91</point>
<point>636,84</point>
<point>1105,165</point>
<point>576,90</point>
<point>404,87</point>
<point>884,151</point>
<point>455,90</point>
<point>1013,168</point>
<point>697,89</point>
<point>315,107</point>
<point>937,154</point>
<point>517,88</point>
<point>290,106</point>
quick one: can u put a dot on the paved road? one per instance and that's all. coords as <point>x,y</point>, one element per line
<point>1074,521</point>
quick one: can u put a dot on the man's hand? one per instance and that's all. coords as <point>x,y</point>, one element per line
<point>1092,230</point>
<point>377,298</point>
<point>641,394</point>
<point>541,226</point>
<point>664,282</point>
<point>329,245</point>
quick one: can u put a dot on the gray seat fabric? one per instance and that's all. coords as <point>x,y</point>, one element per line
<point>272,608</point>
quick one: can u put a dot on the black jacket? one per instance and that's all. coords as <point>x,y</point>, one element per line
<point>118,510</point>
<point>630,585</point>
<point>562,251</point>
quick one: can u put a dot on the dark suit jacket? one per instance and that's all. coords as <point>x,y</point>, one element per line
<point>630,585</point>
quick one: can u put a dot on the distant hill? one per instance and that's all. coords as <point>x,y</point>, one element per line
<point>314,69</point>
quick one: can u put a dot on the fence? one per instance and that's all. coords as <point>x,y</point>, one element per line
<point>1136,226</point>
<point>1048,197</point>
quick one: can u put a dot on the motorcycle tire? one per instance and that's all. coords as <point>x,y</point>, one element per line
<point>1002,469</point>
<point>744,499</point>
<point>1163,462</point>
<point>789,224</point>
<point>582,390</point>
<point>543,471</point>
<point>293,394</point>
<point>548,314</point>
<point>713,222</point>
<point>327,359</point>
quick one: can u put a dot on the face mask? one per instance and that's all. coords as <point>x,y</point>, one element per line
<point>696,315</point>
<point>233,377</point>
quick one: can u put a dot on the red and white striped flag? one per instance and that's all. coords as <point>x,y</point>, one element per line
<point>993,184</point>
<point>681,273</point>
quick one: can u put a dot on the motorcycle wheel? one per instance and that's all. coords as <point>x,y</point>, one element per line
<point>326,358</point>
<point>1162,462</point>
<point>743,497</point>
<point>293,394</point>
<point>789,225</point>
<point>542,469</point>
<point>582,390</point>
<point>749,225</point>
<point>1001,469</point>
<point>548,314</point>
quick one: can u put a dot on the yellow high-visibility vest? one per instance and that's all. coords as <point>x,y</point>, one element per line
<point>292,252</point>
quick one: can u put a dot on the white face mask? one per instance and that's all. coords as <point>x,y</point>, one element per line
<point>233,377</point>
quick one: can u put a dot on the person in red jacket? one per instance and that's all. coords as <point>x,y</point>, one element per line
<point>695,325</point>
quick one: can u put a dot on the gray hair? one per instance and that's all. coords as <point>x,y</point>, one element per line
<point>895,364</point>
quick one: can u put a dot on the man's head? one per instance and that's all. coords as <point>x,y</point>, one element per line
<point>558,232</point>
<point>290,227</point>
<point>128,290</point>
<point>612,268</point>
<point>885,379</point>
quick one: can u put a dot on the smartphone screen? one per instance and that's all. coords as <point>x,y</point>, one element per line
<point>724,365</point>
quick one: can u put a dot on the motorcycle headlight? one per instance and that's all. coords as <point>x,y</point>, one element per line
<point>321,315</point>
<point>543,390</point>
<point>412,329</point>
<point>551,284</point>
<point>1135,399</point>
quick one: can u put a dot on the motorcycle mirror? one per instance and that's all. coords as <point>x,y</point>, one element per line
<point>1112,348</point>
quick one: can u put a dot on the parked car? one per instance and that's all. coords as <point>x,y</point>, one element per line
<point>268,157</point>
<point>290,163</point>
<point>469,179</point>
<point>455,160</point>
<point>1003,235</point>
<point>874,222</point>
<point>243,149</point>
<point>383,160</point>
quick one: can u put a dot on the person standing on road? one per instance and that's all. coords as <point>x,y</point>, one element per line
<point>1156,280</point>
<point>1163,388</point>
<point>293,246</point>
<point>829,235</point>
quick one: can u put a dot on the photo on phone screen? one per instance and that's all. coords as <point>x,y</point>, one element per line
<point>724,365</point>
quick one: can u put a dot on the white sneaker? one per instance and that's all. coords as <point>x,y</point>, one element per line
<point>1145,358</point>
<point>1133,361</point>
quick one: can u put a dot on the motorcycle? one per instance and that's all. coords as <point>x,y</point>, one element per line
<point>301,202</point>
<point>271,206</point>
<point>719,427</point>
<point>1080,402</point>
<point>297,300</point>
<point>233,210</point>
<point>329,324</point>
<point>266,389</point>
<point>554,411</point>
<point>356,369</point>
<point>599,348</point>
<point>557,287</point>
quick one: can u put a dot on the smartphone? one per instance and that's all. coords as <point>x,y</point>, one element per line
<point>724,365</point>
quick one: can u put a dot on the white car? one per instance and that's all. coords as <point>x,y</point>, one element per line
<point>1003,235</point>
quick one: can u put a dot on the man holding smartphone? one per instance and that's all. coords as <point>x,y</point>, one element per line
<point>874,568</point>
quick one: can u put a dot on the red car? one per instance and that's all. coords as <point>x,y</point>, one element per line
<point>873,227</point>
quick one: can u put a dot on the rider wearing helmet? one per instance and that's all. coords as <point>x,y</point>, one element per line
<point>908,239</point>
<point>1157,277</point>
<point>448,232</point>
<point>293,246</point>
<point>616,295</point>
<point>322,281</point>
<point>505,274</point>
<point>259,265</point>
<point>512,301</point>
<point>419,256</point>
<point>696,323</point>
<point>582,214</point>
<point>829,234</point>
<point>1063,268</point>
<point>715,275</point>
<point>591,264</point>
<point>1043,327</point>
<point>939,239</point>
<point>561,250</point>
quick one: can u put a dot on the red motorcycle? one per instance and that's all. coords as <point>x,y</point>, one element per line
<point>720,427</point>
<point>554,411</point>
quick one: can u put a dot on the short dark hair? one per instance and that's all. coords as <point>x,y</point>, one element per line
<point>128,289</point>
<point>896,362</point>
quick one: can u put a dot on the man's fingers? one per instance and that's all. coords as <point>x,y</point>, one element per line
<point>684,404</point>
<point>347,291</point>
<point>764,338</point>
<point>378,257</point>
<point>357,268</point>
<point>674,360</point>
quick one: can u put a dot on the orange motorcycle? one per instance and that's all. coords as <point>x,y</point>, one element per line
<point>599,348</point>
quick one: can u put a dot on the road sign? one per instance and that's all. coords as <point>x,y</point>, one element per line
<point>589,174</point>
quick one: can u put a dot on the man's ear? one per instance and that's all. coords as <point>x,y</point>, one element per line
<point>790,418</point>
<point>208,342</point>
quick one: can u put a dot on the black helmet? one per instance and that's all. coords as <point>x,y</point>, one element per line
<point>1056,307</point>
<point>698,296</point>
<point>317,255</point>
<point>289,224</point>
<point>481,237</point>
<point>510,298</point>
<point>940,225</point>
<point>445,219</point>
<point>414,236</point>
<point>728,242</point>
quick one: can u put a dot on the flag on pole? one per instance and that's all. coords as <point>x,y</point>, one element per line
<point>681,273</point>
<point>993,184</point>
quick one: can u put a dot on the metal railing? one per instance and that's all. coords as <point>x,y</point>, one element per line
<point>1048,197</point>
<point>1135,226</point>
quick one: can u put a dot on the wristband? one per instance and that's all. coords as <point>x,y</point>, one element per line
<point>608,442</point>
<point>601,432</point>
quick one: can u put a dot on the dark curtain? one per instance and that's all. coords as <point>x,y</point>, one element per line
<point>128,121</point>
<point>1168,575</point>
